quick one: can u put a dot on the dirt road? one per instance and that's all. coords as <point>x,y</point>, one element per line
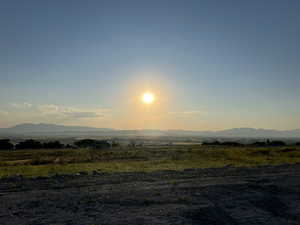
<point>265,195</point>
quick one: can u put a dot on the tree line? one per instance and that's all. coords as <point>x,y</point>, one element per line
<point>267,143</point>
<point>6,144</point>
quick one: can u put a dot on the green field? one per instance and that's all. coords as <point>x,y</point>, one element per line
<point>32,163</point>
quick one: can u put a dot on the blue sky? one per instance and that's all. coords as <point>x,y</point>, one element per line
<point>210,64</point>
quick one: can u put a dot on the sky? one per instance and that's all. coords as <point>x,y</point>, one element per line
<point>211,65</point>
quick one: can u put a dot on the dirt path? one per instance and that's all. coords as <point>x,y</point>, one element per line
<point>265,195</point>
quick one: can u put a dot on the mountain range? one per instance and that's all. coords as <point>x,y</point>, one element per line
<point>29,129</point>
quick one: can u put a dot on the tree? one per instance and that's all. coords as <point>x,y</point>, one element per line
<point>232,143</point>
<point>5,144</point>
<point>132,144</point>
<point>115,144</point>
<point>69,146</point>
<point>90,143</point>
<point>259,144</point>
<point>53,145</point>
<point>29,144</point>
<point>277,143</point>
<point>211,143</point>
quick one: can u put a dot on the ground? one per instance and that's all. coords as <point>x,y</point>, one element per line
<point>43,162</point>
<point>226,196</point>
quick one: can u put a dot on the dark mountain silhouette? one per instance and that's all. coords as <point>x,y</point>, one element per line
<point>53,129</point>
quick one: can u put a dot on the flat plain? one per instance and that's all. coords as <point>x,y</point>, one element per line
<point>182,185</point>
<point>43,162</point>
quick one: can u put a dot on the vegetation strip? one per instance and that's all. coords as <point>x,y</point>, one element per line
<point>48,162</point>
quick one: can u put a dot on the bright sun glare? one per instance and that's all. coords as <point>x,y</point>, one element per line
<point>148,98</point>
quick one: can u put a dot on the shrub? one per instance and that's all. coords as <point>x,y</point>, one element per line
<point>288,150</point>
<point>262,152</point>
<point>277,143</point>
<point>90,143</point>
<point>268,143</point>
<point>70,146</point>
<point>211,143</point>
<point>29,144</point>
<point>258,144</point>
<point>5,144</point>
<point>53,145</point>
<point>132,144</point>
<point>232,143</point>
<point>115,144</point>
<point>226,143</point>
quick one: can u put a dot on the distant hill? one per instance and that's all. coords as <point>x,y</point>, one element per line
<point>29,129</point>
<point>42,128</point>
<point>241,132</point>
<point>251,132</point>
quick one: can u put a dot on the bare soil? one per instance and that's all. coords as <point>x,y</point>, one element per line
<point>225,196</point>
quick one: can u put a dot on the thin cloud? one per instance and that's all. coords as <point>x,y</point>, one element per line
<point>82,114</point>
<point>57,112</point>
<point>187,113</point>
<point>22,105</point>
<point>72,112</point>
<point>48,109</point>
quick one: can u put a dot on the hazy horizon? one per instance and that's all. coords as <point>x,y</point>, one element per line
<point>203,65</point>
<point>233,128</point>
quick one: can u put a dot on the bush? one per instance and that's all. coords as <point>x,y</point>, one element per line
<point>90,143</point>
<point>53,145</point>
<point>268,143</point>
<point>277,143</point>
<point>5,144</point>
<point>115,144</point>
<point>29,144</point>
<point>226,143</point>
<point>211,143</point>
<point>70,146</point>
<point>132,144</point>
<point>258,144</point>
<point>232,143</point>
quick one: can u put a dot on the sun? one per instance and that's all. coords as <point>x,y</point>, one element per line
<point>148,98</point>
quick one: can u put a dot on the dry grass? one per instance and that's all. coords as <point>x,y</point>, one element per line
<point>33,163</point>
